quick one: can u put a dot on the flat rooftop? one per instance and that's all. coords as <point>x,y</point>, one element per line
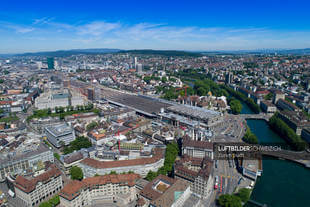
<point>59,130</point>
<point>194,111</point>
<point>12,157</point>
<point>140,104</point>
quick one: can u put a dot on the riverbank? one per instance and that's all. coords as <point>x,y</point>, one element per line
<point>283,182</point>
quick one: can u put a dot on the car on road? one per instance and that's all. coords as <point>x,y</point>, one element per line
<point>216,182</point>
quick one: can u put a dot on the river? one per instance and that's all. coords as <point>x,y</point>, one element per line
<point>283,183</point>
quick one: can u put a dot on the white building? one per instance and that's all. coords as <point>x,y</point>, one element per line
<point>19,162</point>
<point>34,190</point>
<point>107,187</point>
<point>60,133</point>
<point>139,166</point>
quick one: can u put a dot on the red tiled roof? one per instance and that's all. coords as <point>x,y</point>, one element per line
<point>151,194</point>
<point>5,102</point>
<point>197,144</point>
<point>72,189</point>
<point>29,185</point>
<point>158,154</point>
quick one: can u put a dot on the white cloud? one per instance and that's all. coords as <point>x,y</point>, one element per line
<point>41,21</point>
<point>22,30</point>
<point>157,36</point>
<point>97,28</point>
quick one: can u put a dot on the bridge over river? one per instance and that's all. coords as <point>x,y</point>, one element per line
<point>302,157</point>
<point>263,116</point>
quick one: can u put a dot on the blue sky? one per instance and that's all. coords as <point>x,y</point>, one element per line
<point>47,25</point>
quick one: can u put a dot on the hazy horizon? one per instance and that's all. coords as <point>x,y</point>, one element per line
<point>175,25</point>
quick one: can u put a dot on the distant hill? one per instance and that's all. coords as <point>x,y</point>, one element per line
<point>62,53</point>
<point>162,52</point>
<point>305,51</point>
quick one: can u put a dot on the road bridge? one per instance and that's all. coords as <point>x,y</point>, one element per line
<point>302,157</point>
<point>263,116</point>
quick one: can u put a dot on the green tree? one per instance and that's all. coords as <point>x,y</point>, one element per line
<point>77,144</point>
<point>164,79</point>
<point>227,200</point>
<point>172,79</point>
<point>147,79</point>
<point>76,173</point>
<point>91,125</point>
<point>287,133</point>
<point>235,106</point>
<point>201,91</point>
<point>45,204</point>
<point>57,156</point>
<point>151,175</point>
<point>269,96</point>
<point>250,137</point>
<point>244,194</point>
<point>54,201</point>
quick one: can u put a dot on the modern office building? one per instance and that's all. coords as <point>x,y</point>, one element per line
<point>50,63</point>
<point>32,191</point>
<point>56,134</point>
<point>228,78</point>
<point>91,94</point>
<point>139,68</point>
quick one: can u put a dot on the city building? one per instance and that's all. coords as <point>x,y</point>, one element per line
<point>52,100</point>
<point>32,191</point>
<point>268,107</point>
<point>164,191</point>
<point>277,96</point>
<point>228,78</point>
<point>198,149</point>
<point>192,116</point>
<point>305,134</point>
<point>139,166</point>
<point>198,172</point>
<point>56,134</point>
<point>106,187</point>
<point>50,63</point>
<point>58,98</point>
<point>286,105</point>
<point>295,120</point>
<point>251,168</point>
<point>25,160</point>
<point>139,68</point>
<point>91,94</point>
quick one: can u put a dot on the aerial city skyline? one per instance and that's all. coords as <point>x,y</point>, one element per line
<point>182,25</point>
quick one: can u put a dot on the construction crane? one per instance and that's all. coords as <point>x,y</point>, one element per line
<point>185,89</point>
